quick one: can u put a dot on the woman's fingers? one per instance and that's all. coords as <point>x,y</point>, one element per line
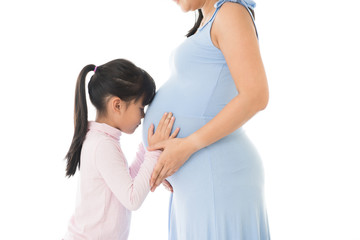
<point>159,174</point>
<point>161,177</point>
<point>176,152</point>
<point>158,167</point>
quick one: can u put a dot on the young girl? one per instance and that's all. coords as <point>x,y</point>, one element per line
<point>108,188</point>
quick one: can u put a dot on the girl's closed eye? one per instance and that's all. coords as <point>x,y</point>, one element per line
<point>142,112</point>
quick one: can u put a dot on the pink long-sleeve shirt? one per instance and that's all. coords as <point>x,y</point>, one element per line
<point>108,189</point>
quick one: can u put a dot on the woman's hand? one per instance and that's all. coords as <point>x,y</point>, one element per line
<point>163,130</point>
<point>176,152</point>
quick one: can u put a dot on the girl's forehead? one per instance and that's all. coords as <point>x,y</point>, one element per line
<point>141,100</point>
<point>138,102</point>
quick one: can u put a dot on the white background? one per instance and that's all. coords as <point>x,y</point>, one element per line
<point>308,136</point>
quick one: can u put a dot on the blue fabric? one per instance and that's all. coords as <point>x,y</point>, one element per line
<point>219,192</point>
<point>247,3</point>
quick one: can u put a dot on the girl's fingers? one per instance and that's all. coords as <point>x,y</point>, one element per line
<point>169,126</point>
<point>170,186</point>
<point>166,123</point>
<point>167,185</point>
<point>150,131</point>
<point>175,133</point>
<point>157,146</point>
<point>162,120</point>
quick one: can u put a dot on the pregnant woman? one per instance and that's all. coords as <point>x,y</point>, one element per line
<point>217,84</point>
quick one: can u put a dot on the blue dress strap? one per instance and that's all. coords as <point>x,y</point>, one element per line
<point>248,4</point>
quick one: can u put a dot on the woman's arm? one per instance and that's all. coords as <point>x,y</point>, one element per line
<point>234,34</point>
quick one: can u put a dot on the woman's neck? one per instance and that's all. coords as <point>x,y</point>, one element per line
<point>208,10</point>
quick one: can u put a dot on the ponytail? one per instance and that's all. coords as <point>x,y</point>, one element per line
<point>80,122</point>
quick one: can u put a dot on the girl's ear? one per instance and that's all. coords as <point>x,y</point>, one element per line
<point>117,105</point>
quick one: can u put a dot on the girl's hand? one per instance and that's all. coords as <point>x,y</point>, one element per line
<point>163,130</point>
<point>167,185</point>
<point>176,152</point>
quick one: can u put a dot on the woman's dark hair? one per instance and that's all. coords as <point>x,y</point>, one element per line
<point>120,78</point>
<point>200,17</point>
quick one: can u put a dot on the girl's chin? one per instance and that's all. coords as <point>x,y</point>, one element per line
<point>129,131</point>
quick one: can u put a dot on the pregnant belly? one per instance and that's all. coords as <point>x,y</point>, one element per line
<point>187,124</point>
<point>187,107</point>
<point>233,157</point>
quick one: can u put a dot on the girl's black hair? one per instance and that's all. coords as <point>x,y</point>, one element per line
<point>200,17</point>
<point>119,78</point>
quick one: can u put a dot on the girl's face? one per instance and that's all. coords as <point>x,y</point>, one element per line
<point>130,116</point>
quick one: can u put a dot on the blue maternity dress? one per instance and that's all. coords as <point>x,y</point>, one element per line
<point>219,192</point>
